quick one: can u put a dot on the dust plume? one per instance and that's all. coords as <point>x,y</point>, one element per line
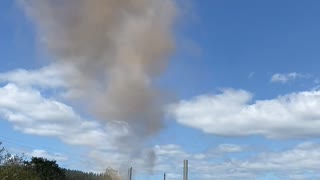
<point>116,48</point>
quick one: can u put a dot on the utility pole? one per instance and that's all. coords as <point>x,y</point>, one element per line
<point>130,173</point>
<point>164,176</point>
<point>185,170</point>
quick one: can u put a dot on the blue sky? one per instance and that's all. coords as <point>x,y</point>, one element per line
<point>244,83</point>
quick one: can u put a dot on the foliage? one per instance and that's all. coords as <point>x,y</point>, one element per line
<point>46,170</point>
<point>1,152</point>
<point>79,175</point>
<point>14,167</point>
<point>14,160</point>
<point>9,159</point>
<point>11,172</point>
<point>4,155</point>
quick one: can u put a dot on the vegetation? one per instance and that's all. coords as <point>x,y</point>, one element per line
<point>46,170</point>
<point>79,175</point>
<point>15,167</point>
<point>17,173</point>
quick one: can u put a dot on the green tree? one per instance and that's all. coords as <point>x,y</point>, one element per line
<point>13,172</point>
<point>46,170</point>
<point>12,167</point>
<point>79,175</point>
<point>7,158</point>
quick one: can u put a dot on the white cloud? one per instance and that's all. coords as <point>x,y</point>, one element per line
<point>45,154</point>
<point>233,113</point>
<point>284,78</point>
<point>31,113</point>
<point>27,105</point>
<point>51,77</point>
<point>296,161</point>
<point>46,77</point>
<point>301,161</point>
<point>288,164</point>
<point>229,148</point>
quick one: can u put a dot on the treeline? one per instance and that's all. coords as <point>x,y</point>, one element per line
<point>15,167</point>
<point>79,175</point>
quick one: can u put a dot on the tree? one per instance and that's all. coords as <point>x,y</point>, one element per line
<point>79,175</point>
<point>7,158</point>
<point>14,160</point>
<point>17,173</point>
<point>12,167</point>
<point>4,155</point>
<point>46,170</point>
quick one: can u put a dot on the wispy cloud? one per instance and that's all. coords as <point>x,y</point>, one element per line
<point>301,160</point>
<point>251,74</point>
<point>234,113</point>
<point>284,78</point>
<point>46,77</point>
<point>47,155</point>
<point>230,148</point>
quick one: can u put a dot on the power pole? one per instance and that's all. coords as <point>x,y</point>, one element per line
<point>130,173</point>
<point>185,170</point>
<point>164,176</point>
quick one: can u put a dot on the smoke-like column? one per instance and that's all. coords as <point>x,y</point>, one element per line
<point>116,48</point>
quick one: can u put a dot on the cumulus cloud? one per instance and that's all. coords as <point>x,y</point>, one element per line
<point>235,113</point>
<point>31,113</point>
<point>26,102</point>
<point>49,77</point>
<point>284,78</point>
<point>46,77</point>
<point>231,113</point>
